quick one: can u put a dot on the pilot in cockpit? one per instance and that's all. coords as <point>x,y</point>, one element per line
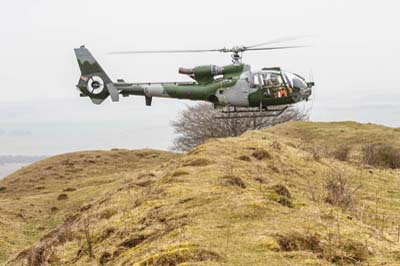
<point>274,85</point>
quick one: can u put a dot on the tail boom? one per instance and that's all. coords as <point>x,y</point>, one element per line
<point>97,85</point>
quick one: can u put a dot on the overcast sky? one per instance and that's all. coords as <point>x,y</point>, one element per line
<point>354,59</point>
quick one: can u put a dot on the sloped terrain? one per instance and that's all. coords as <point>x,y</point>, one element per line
<point>36,199</point>
<point>296,194</point>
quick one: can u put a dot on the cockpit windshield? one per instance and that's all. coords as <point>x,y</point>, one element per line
<point>295,81</point>
<point>299,84</point>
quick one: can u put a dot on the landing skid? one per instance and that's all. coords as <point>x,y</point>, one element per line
<point>237,113</point>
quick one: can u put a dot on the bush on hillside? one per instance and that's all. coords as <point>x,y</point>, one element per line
<point>381,155</point>
<point>198,123</point>
<point>339,191</point>
<point>342,153</point>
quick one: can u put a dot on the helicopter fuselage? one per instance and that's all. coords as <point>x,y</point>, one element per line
<point>247,89</point>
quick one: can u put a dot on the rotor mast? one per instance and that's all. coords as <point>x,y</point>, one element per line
<point>237,54</point>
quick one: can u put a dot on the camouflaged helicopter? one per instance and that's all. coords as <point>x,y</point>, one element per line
<point>234,88</point>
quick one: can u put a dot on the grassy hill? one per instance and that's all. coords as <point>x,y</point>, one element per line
<point>296,194</point>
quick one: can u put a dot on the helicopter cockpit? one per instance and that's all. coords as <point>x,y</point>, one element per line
<point>277,83</point>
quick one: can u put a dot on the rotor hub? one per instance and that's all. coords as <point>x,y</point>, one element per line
<point>236,58</point>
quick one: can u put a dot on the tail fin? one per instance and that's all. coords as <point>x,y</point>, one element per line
<point>94,82</point>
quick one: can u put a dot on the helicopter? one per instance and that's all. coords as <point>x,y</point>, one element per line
<point>234,89</point>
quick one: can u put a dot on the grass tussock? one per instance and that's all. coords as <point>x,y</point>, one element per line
<point>280,194</point>
<point>180,172</point>
<point>69,189</point>
<point>234,181</point>
<point>105,257</point>
<point>107,233</point>
<point>197,162</point>
<point>261,154</point>
<point>132,241</point>
<point>107,213</point>
<point>345,252</point>
<point>178,256</point>
<point>62,196</point>
<point>317,152</point>
<point>296,241</point>
<point>244,158</point>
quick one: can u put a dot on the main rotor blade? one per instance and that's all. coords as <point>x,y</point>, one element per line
<point>166,51</point>
<point>279,40</point>
<point>276,48</point>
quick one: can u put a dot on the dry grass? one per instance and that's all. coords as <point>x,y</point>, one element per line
<point>141,219</point>
<point>99,172</point>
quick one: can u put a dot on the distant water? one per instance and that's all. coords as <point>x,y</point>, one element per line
<point>9,168</point>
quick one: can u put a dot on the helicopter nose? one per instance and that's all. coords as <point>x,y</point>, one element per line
<point>306,92</point>
<point>310,85</point>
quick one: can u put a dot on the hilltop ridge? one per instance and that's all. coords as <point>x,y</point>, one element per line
<point>299,193</point>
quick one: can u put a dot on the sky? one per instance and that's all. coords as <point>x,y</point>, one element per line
<point>353,60</point>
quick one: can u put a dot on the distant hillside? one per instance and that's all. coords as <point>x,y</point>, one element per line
<point>300,193</point>
<point>19,159</point>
